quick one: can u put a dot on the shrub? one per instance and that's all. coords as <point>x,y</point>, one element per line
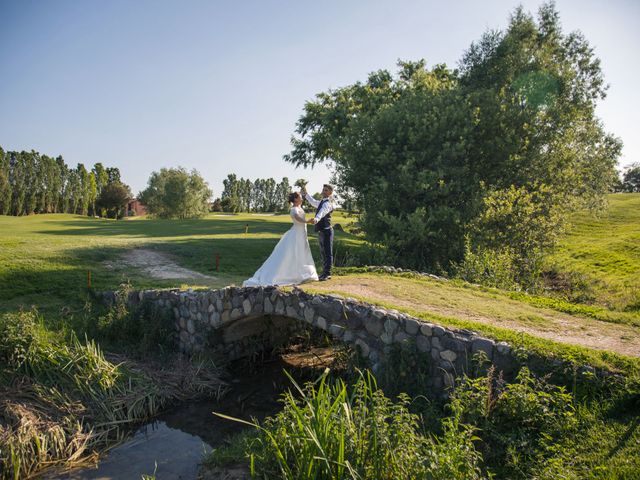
<point>146,327</point>
<point>489,267</point>
<point>520,422</point>
<point>346,255</point>
<point>20,334</point>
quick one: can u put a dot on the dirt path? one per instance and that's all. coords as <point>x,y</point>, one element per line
<point>456,302</point>
<point>159,265</point>
<point>442,299</point>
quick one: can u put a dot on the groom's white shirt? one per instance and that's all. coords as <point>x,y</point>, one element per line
<point>326,208</point>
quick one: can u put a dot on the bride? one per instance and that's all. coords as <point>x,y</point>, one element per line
<point>291,262</point>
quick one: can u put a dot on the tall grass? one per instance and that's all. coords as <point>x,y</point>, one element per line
<point>528,429</point>
<point>63,400</point>
<point>327,431</point>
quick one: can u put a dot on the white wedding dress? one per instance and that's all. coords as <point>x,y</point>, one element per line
<point>291,262</point>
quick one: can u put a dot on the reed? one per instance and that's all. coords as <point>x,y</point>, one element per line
<point>327,431</point>
<point>63,400</point>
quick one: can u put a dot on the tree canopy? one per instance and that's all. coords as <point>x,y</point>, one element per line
<point>113,199</point>
<point>492,155</point>
<point>261,195</point>
<point>631,178</point>
<point>176,193</point>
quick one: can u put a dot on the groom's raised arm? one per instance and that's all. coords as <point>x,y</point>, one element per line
<point>314,203</point>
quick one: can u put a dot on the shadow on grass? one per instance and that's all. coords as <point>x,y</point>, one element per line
<point>197,244</point>
<point>624,439</point>
<point>41,286</point>
<point>172,228</point>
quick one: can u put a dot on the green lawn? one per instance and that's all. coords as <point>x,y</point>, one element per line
<point>612,343</point>
<point>45,259</point>
<point>605,252</point>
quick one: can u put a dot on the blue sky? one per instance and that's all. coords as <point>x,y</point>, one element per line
<point>218,85</point>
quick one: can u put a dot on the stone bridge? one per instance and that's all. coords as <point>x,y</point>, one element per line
<point>237,322</point>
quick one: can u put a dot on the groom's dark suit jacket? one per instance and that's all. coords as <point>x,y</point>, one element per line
<point>325,222</point>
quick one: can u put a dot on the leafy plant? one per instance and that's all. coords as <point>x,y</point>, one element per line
<point>329,432</point>
<point>487,266</point>
<point>144,327</point>
<point>519,422</point>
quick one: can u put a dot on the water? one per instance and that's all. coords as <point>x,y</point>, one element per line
<point>177,440</point>
<point>177,455</point>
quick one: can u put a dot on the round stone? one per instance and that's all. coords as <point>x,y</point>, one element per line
<point>246,307</point>
<point>411,326</point>
<point>448,355</point>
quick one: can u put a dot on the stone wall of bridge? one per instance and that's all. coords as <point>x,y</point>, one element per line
<point>233,323</point>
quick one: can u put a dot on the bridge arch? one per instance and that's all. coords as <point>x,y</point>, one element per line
<point>235,322</point>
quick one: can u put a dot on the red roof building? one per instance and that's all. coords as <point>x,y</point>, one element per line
<point>135,208</point>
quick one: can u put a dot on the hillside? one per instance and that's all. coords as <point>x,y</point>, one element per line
<point>600,256</point>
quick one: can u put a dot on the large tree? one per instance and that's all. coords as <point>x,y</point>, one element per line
<point>65,190</point>
<point>113,199</point>
<point>176,193</point>
<point>230,198</point>
<point>495,153</point>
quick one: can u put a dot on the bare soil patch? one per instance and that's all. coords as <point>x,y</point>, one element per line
<point>158,265</point>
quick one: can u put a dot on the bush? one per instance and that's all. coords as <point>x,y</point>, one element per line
<point>520,422</point>
<point>27,348</point>
<point>348,255</point>
<point>20,338</point>
<point>492,268</point>
<point>145,328</point>
<point>572,286</point>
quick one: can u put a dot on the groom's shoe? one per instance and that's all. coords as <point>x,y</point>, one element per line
<point>324,277</point>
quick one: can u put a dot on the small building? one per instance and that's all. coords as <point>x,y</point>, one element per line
<point>135,208</point>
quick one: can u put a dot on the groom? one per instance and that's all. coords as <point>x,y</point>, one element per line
<point>322,222</point>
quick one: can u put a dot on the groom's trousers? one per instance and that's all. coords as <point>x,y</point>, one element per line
<point>325,238</point>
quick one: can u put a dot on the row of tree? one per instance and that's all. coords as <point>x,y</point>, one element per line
<point>261,195</point>
<point>34,183</point>
<point>480,164</point>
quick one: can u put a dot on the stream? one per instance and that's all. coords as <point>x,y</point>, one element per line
<point>176,440</point>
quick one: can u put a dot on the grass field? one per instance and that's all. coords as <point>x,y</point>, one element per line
<point>45,259</point>
<point>496,315</point>
<point>604,253</point>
